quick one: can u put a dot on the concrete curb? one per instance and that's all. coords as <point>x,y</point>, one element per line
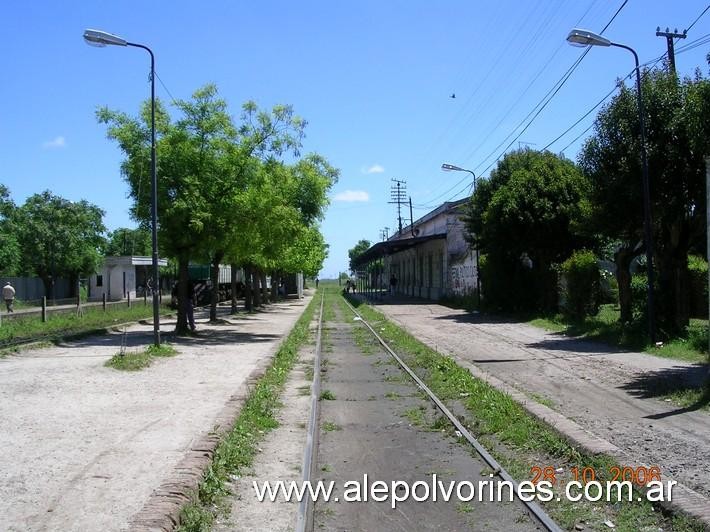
<point>685,500</point>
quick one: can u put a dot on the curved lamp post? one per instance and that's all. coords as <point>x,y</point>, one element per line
<point>580,37</point>
<point>453,168</point>
<point>101,38</point>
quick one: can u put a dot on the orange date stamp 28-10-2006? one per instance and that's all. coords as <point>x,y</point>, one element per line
<point>640,476</point>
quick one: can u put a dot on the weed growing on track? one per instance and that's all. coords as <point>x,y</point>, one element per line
<point>327,395</point>
<point>235,454</point>
<point>141,359</point>
<point>517,439</point>
<point>329,426</point>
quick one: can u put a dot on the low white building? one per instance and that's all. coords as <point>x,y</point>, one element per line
<point>122,276</point>
<point>430,259</point>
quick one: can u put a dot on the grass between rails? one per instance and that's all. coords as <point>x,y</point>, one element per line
<point>518,440</point>
<point>69,323</point>
<point>257,417</point>
<point>141,359</point>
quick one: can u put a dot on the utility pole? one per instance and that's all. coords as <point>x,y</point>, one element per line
<point>411,218</point>
<point>398,194</point>
<point>670,35</point>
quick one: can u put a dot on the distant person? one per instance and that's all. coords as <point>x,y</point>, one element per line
<point>393,284</point>
<point>317,282</point>
<point>8,294</point>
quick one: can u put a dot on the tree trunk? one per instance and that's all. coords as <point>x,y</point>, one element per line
<point>673,309</point>
<point>256,291</point>
<point>214,277</point>
<point>622,259</point>
<point>248,295</point>
<point>264,290</point>
<point>234,288</point>
<point>183,280</point>
<point>275,286</point>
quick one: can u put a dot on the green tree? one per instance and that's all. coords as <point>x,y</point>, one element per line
<point>124,241</point>
<point>59,238</point>
<point>522,219</point>
<point>9,246</point>
<point>190,156</point>
<point>354,252</point>
<point>677,118</point>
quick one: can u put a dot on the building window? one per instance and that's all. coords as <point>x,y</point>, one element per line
<point>99,280</point>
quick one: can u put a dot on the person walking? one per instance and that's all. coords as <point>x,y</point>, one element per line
<point>8,294</point>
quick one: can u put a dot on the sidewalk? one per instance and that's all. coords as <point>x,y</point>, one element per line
<point>610,393</point>
<point>85,446</point>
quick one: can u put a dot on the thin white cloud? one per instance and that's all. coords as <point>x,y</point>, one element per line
<point>374,169</point>
<point>57,142</point>
<point>352,195</point>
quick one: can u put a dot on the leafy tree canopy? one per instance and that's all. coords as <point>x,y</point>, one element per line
<point>58,237</point>
<point>124,241</point>
<point>354,252</point>
<point>9,246</point>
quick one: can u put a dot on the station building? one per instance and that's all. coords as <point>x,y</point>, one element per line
<point>122,276</point>
<point>430,259</point>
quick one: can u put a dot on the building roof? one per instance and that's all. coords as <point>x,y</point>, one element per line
<point>443,208</point>
<point>389,247</point>
<point>132,260</point>
<point>405,239</point>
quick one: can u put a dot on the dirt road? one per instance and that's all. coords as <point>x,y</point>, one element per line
<point>84,446</point>
<point>608,392</point>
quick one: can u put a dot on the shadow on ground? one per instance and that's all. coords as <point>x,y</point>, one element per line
<point>678,379</point>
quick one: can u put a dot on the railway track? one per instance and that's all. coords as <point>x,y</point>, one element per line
<point>305,519</point>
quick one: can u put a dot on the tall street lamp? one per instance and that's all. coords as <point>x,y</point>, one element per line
<point>579,37</point>
<point>453,168</point>
<point>101,38</point>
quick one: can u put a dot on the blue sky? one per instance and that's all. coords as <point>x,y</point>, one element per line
<point>372,78</point>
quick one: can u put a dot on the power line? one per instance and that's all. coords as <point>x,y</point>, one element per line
<point>543,103</point>
<point>585,115</point>
<point>697,19</point>
<point>650,64</point>
<point>447,131</point>
<point>166,88</point>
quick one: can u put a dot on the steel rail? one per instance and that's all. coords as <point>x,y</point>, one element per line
<point>304,520</point>
<point>534,508</point>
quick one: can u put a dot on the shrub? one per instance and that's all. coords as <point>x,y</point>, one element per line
<point>698,286</point>
<point>581,285</point>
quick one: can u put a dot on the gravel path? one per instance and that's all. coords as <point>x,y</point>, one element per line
<point>610,393</point>
<point>83,446</point>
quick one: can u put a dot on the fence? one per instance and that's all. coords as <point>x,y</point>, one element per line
<point>32,288</point>
<point>43,308</point>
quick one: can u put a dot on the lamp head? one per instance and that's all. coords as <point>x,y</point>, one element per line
<point>101,38</point>
<point>450,168</point>
<point>579,37</point>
